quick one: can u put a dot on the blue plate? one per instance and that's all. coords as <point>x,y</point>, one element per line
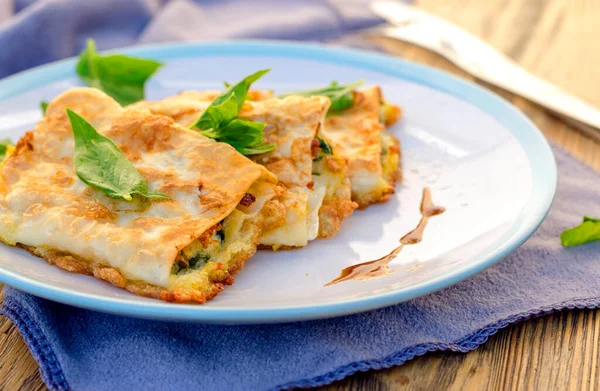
<point>484,161</point>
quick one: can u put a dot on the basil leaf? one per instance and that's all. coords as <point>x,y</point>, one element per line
<point>86,66</point>
<point>4,144</point>
<point>101,164</point>
<point>241,133</point>
<point>238,90</point>
<point>217,115</point>
<point>256,149</point>
<point>241,88</point>
<point>593,220</point>
<point>587,231</point>
<point>219,120</point>
<point>43,106</point>
<point>121,77</point>
<point>245,136</point>
<point>341,96</point>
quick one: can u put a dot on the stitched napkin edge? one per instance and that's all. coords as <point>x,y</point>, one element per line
<point>38,344</point>
<point>54,377</point>
<point>463,345</point>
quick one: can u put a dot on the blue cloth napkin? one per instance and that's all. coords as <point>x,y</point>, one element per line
<point>83,350</point>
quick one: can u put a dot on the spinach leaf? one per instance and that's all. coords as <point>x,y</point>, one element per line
<point>325,147</point>
<point>320,148</point>
<point>341,96</point>
<point>121,77</point>
<point>587,231</point>
<point>219,121</point>
<point>101,164</point>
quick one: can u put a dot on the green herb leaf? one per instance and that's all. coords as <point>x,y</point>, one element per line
<point>241,133</point>
<point>593,220</point>
<point>120,76</point>
<point>325,147</point>
<point>239,91</point>
<point>43,106</point>
<point>587,231</point>
<point>218,115</point>
<point>101,164</point>
<point>245,136</point>
<point>4,143</point>
<point>219,121</point>
<point>256,149</point>
<point>341,96</point>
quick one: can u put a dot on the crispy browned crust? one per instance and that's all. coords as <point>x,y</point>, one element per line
<point>386,194</point>
<point>396,175</point>
<point>75,264</point>
<point>237,263</point>
<point>203,96</point>
<point>272,215</point>
<point>332,213</point>
<point>279,248</point>
<point>218,278</point>
<point>391,114</point>
<point>373,198</point>
<point>340,206</point>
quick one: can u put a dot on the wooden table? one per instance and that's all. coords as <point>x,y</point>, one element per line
<point>555,39</point>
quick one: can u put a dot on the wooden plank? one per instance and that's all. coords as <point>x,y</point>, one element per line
<point>557,40</point>
<point>548,353</point>
<point>18,369</point>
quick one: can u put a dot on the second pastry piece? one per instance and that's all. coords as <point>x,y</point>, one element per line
<point>319,195</point>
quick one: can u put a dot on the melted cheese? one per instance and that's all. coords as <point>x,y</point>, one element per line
<point>316,196</point>
<point>43,205</point>
<point>294,232</point>
<point>220,256</point>
<point>330,172</point>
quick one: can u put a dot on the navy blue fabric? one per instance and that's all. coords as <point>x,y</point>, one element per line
<point>84,350</point>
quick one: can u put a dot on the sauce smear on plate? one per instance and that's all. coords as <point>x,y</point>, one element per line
<point>379,267</point>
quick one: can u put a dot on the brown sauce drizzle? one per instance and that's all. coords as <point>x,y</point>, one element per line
<point>379,267</point>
